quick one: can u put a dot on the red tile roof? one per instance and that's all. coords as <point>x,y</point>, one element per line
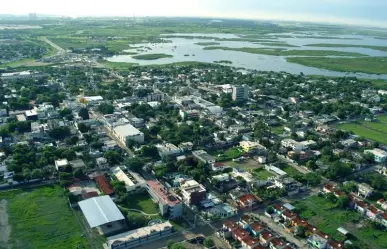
<point>335,244</point>
<point>361,204</point>
<point>89,195</point>
<point>289,214</point>
<point>240,233</point>
<point>218,165</point>
<point>300,222</point>
<point>373,209</point>
<point>266,235</point>
<point>381,201</point>
<point>277,242</point>
<point>279,207</point>
<point>329,187</point>
<point>339,193</point>
<point>245,199</point>
<point>230,224</point>
<point>250,241</point>
<point>246,218</point>
<point>256,226</point>
<point>104,185</point>
<point>384,215</point>
<point>311,228</point>
<point>323,235</point>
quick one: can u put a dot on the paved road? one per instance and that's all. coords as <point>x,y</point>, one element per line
<point>58,49</point>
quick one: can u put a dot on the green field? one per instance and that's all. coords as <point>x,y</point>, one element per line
<point>261,173</point>
<point>372,65</point>
<point>151,56</point>
<point>42,218</point>
<point>327,45</point>
<point>118,65</point>
<point>371,130</point>
<point>284,52</point>
<point>323,214</point>
<point>141,202</point>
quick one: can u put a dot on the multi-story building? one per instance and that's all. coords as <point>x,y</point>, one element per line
<point>128,132</point>
<point>140,236</point>
<point>203,156</point>
<point>193,192</point>
<point>240,93</point>
<point>379,155</point>
<point>168,203</point>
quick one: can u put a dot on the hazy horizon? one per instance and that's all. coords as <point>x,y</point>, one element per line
<point>352,12</point>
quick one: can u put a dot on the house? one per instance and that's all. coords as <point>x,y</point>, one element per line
<point>382,218</point>
<point>382,203</point>
<point>328,188</point>
<point>293,144</point>
<point>168,149</point>
<point>297,221</point>
<point>201,155</point>
<point>219,166</point>
<point>317,241</point>
<point>250,242</point>
<point>288,215</point>
<point>380,156</point>
<point>249,146</point>
<point>221,178</point>
<point>127,132</point>
<point>61,164</point>
<point>77,164</point>
<point>372,212</point>
<point>360,206</point>
<point>247,200</point>
<point>278,208</point>
<point>276,243</point>
<point>333,244</point>
<point>349,143</point>
<point>365,190</point>
<point>257,227</point>
<point>265,237</point>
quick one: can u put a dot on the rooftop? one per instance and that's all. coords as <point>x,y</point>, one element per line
<point>139,233</point>
<point>121,176</point>
<point>126,130</point>
<point>104,184</point>
<point>100,210</point>
<point>162,192</point>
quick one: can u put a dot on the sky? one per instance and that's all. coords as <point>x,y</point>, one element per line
<point>357,12</point>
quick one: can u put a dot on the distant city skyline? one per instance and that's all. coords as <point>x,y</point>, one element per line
<point>354,12</point>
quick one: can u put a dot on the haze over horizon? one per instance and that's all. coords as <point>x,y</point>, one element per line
<point>354,12</point>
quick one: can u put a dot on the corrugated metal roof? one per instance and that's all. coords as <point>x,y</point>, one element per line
<point>100,210</point>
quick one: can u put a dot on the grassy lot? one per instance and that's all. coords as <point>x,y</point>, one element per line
<point>151,56</point>
<point>278,130</point>
<point>284,52</point>
<point>327,45</point>
<point>292,172</point>
<point>142,202</point>
<point>379,84</point>
<point>375,126</point>
<point>246,165</point>
<point>41,218</point>
<point>229,154</point>
<point>323,214</point>
<point>179,225</point>
<point>118,65</point>
<point>372,65</point>
<point>261,173</point>
<point>365,132</point>
<point>382,118</point>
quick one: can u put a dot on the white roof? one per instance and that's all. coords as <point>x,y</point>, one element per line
<point>139,233</point>
<point>126,130</point>
<point>121,176</point>
<point>100,210</point>
<point>93,98</point>
<point>377,152</point>
<point>62,162</point>
<point>31,113</point>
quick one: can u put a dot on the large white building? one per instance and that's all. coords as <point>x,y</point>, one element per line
<point>140,236</point>
<point>131,183</point>
<point>128,132</point>
<point>379,155</point>
<point>21,75</point>
<point>240,93</point>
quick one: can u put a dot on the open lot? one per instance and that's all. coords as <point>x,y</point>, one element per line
<point>367,130</point>
<point>246,165</point>
<point>42,218</point>
<point>323,214</point>
<point>263,174</point>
